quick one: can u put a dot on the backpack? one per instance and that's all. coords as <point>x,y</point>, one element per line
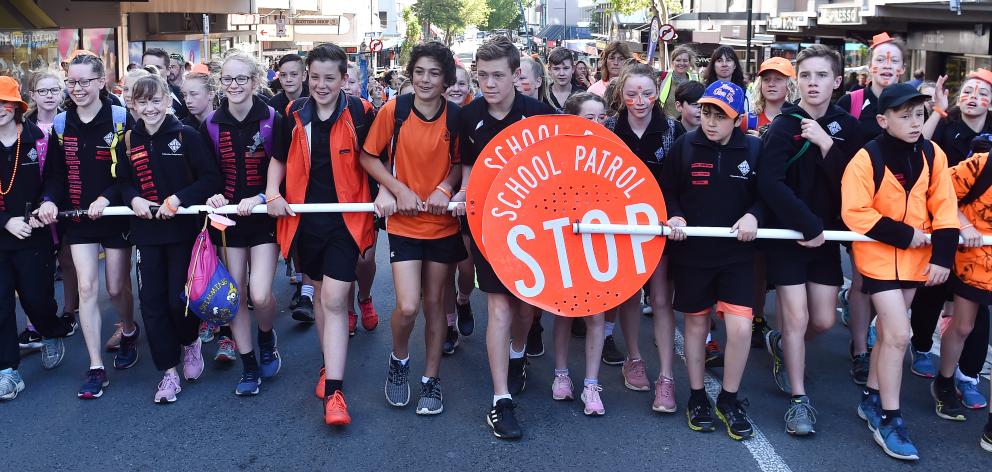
<point>802,150</point>
<point>878,165</point>
<point>210,292</point>
<point>857,102</point>
<point>404,105</point>
<point>753,151</point>
<point>119,117</point>
<point>264,128</point>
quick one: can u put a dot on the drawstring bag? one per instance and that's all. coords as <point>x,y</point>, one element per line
<point>211,292</point>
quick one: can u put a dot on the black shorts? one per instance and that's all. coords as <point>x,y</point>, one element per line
<point>485,275</point>
<point>251,231</point>
<point>464,225</point>
<point>334,255</point>
<point>791,264</point>
<point>730,288</point>
<point>962,289</point>
<point>446,250</point>
<point>112,241</point>
<point>873,286</point>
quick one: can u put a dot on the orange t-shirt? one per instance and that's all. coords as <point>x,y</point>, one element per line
<point>421,163</point>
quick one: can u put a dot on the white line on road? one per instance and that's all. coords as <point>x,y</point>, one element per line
<point>761,450</point>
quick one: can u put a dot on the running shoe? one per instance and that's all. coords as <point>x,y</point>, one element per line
<point>872,334</point>
<point>714,357</point>
<point>859,368</point>
<point>127,350</point>
<point>11,384</point>
<point>646,308</point>
<point>516,376</point>
<point>370,318</point>
<point>466,319</point>
<point>207,332</point>
<point>192,361</point>
<point>168,388</point>
<point>773,341</point>
<point>986,441</point>
<point>561,388</point>
<point>352,323</point>
<point>450,342</point>
<point>845,307</point>
<point>894,439</point>
<point>29,339</point>
<point>269,361</point>
<point>535,341</point>
<point>759,331</point>
<point>248,385</point>
<point>502,420</point>
<point>578,328</point>
<point>664,395</point>
<point>800,417</point>
<point>227,350</point>
<point>96,381</point>
<point>319,390</point>
<point>114,342</point>
<point>611,355</point>
<point>700,416</point>
<point>870,410</point>
<point>635,376</point>
<point>71,319</point>
<point>969,394</point>
<point>52,352</point>
<point>336,410</point>
<point>303,311</point>
<point>947,405</point>
<point>922,364</point>
<point>397,386</point>
<point>431,399</point>
<point>593,404</point>
<point>297,294</point>
<point>735,418</point>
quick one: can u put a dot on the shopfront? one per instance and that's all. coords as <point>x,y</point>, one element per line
<point>953,52</point>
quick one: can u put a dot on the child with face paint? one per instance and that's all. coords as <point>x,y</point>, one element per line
<point>533,80</point>
<point>643,126</point>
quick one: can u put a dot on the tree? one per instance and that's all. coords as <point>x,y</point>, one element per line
<point>411,36</point>
<point>451,16</point>
<point>503,14</point>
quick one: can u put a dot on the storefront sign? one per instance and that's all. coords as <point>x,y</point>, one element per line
<point>840,15</point>
<point>31,39</point>
<point>317,20</point>
<point>952,41</point>
<point>241,19</point>
<point>787,23</point>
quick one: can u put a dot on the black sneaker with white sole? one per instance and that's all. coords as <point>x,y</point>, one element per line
<point>29,339</point>
<point>503,421</point>
<point>304,310</point>
<point>450,342</point>
<point>516,376</point>
<point>611,355</point>
<point>71,319</point>
<point>431,400</point>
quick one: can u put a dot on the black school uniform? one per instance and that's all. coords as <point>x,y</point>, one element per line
<point>243,166</point>
<point>26,265</point>
<point>477,128</point>
<point>173,161</point>
<point>712,185</point>
<point>954,138</point>
<point>80,169</point>
<point>869,109</point>
<point>805,195</point>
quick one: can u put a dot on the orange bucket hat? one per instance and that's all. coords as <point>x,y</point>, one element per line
<point>10,91</point>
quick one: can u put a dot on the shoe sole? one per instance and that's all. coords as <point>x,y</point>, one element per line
<point>733,435</point>
<point>31,346</point>
<point>93,396</point>
<point>429,412</point>
<point>889,452</point>
<point>302,317</point>
<point>337,422</point>
<point>636,389</point>
<point>937,405</point>
<point>405,403</point>
<point>536,354</point>
<point>18,388</point>
<point>987,445</point>
<point>493,428</point>
<point>798,432</point>
<point>166,401</point>
<point>609,362</point>
<point>564,398</point>
<point>704,428</point>
<point>593,412</point>
<point>248,394</point>
<point>922,374</point>
<point>224,358</point>
<point>662,409</point>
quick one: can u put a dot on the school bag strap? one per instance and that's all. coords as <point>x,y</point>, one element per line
<point>404,105</point>
<point>802,150</point>
<point>58,126</point>
<point>119,116</point>
<point>264,128</point>
<point>878,162</point>
<point>980,186</point>
<point>857,101</point>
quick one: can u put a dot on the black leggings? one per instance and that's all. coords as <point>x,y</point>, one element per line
<point>28,273</point>
<point>926,312</point>
<point>161,281</point>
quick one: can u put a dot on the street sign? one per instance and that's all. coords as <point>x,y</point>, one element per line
<point>376,45</point>
<point>281,27</point>
<point>206,23</point>
<point>667,33</point>
<point>653,38</point>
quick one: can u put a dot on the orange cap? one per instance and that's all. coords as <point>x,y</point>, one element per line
<point>220,222</point>
<point>981,74</point>
<point>201,68</point>
<point>778,64</point>
<point>10,91</point>
<point>880,38</point>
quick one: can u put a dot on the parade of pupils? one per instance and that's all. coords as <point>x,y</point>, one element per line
<point>203,182</point>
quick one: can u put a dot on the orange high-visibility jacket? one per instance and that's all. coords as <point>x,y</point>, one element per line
<point>973,266</point>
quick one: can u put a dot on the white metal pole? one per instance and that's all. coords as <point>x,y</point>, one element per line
<point>296,207</point>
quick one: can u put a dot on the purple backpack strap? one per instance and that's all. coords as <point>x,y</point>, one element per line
<point>265,128</point>
<point>213,129</point>
<point>41,147</point>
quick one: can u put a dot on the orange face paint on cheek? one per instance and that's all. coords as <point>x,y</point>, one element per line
<point>629,101</point>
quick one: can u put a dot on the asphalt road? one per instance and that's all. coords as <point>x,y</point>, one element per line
<point>209,428</point>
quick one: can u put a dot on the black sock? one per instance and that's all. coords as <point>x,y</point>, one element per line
<point>871,391</point>
<point>249,362</point>
<point>265,337</point>
<point>331,386</point>
<point>697,396</point>
<point>726,398</point>
<point>943,383</point>
<point>889,415</point>
<point>226,331</point>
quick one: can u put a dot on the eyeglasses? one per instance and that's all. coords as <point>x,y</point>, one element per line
<point>241,80</point>
<point>49,91</point>
<point>81,83</point>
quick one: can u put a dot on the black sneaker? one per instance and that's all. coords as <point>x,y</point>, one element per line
<point>535,342</point>
<point>29,339</point>
<point>859,368</point>
<point>70,319</point>
<point>612,355</point>
<point>758,331</point>
<point>948,405</point>
<point>578,328</point>
<point>735,418</point>
<point>516,376</point>
<point>502,420</point>
<point>450,342</point>
<point>304,310</point>
<point>295,301</point>
<point>986,441</point>
<point>466,320</point>
<point>700,416</point>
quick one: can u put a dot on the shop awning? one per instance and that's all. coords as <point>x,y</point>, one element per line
<point>557,32</point>
<point>24,14</point>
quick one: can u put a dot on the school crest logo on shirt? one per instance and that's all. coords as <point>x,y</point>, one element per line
<point>175,145</point>
<point>256,142</point>
<point>33,155</point>
<point>109,138</point>
<point>833,127</point>
<point>744,168</point>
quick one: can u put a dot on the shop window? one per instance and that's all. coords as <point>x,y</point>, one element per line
<point>383,20</point>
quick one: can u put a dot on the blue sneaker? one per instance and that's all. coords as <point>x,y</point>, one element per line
<point>923,365</point>
<point>870,410</point>
<point>970,396</point>
<point>127,350</point>
<point>894,439</point>
<point>96,381</point>
<point>845,307</point>
<point>268,358</point>
<point>248,385</point>
<point>11,384</point>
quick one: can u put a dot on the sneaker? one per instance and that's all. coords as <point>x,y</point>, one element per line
<point>319,391</point>
<point>269,361</point>
<point>127,350</point>
<point>800,417</point>
<point>947,404</point>
<point>634,375</point>
<point>52,352</point>
<point>664,395</point>
<point>845,307</point>
<point>29,339</point>
<point>611,355</point>
<point>759,331</point>
<point>114,342</point>
<point>646,308</point>
<point>397,386</point>
<point>735,418</point>
<point>352,323</point>
<point>714,357</point>
<point>859,368</point>
<point>303,311</point>
<point>70,318</point>
<point>168,388</point>
<point>516,376</point>
<point>336,410</point>
<point>870,410</point>
<point>773,341</point>
<point>986,441</point>
<point>969,394</point>
<point>248,385</point>
<point>502,420</point>
<point>578,328</point>
<point>922,365</point>
<point>450,342</point>
<point>431,400</point>
<point>227,350</point>
<point>207,332</point>
<point>561,388</point>
<point>11,384</point>
<point>96,381</point>
<point>192,361</point>
<point>593,403</point>
<point>370,318</point>
<point>297,294</point>
<point>872,335</point>
<point>466,319</point>
<point>535,342</point>
<point>894,439</point>
<point>700,416</point>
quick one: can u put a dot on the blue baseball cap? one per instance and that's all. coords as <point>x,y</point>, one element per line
<point>726,95</point>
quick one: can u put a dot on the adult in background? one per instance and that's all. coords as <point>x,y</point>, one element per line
<point>611,62</point>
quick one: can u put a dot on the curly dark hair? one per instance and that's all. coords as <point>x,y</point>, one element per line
<point>440,53</point>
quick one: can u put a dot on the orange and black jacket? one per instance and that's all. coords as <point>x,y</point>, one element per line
<point>973,266</point>
<point>351,182</point>
<point>908,198</point>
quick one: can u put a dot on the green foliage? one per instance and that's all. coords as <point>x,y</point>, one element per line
<point>411,36</point>
<point>503,14</point>
<point>450,16</point>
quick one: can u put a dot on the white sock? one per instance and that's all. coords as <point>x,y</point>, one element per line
<point>609,328</point>
<point>709,337</point>
<point>515,354</point>
<point>424,379</point>
<point>451,319</point>
<point>402,361</point>
<point>307,291</point>
<point>99,366</point>
<point>497,398</point>
<point>964,378</point>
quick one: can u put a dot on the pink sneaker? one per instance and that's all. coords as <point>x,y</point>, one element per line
<point>168,388</point>
<point>634,376</point>
<point>664,395</point>
<point>561,388</point>
<point>192,360</point>
<point>593,404</point>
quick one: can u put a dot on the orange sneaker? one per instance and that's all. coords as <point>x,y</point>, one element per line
<point>320,385</point>
<point>352,323</point>
<point>336,410</point>
<point>370,319</point>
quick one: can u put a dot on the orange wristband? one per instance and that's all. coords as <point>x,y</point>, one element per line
<point>272,199</point>
<point>444,191</point>
<point>169,205</point>
<point>940,111</point>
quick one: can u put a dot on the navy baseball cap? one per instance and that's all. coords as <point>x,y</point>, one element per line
<point>896,95</point>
